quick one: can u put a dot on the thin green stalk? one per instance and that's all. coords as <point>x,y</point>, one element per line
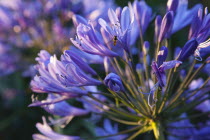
<point>118,66</point>
<point>187,76</point>
<point>123,121</point>
<point>189,117</point>
<point>126,114</point>
<point>144,58</point>
<point>120,133</point>
<point>158,131</point>
<point>166,94</point>
<point>186,84</point>
<point>156,51</point>
<point>194,74</point>
<point>142,130</point>
<point>190,106</point>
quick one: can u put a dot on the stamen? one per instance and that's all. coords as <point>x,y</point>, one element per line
<point>204,44</point>
<point>197,55</point>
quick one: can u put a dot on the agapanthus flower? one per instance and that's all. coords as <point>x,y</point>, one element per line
<point>120,29</point>
<point>114,82</point>
<point>49,134</point>
<point>56,106</point>
<point>62,77</point>
<point>183,15</point>
<point>109,73</point>
<point>143,14</point>
<point>92,44</point>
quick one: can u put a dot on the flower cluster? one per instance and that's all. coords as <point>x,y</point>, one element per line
<point>137,83</point>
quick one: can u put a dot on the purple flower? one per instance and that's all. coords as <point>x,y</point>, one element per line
<point>172,5</point>
<point>62,77</point>
<point>146,47</point>
<point>166,26</point>
<point>43,58</point>
<point>55,105</point>
<point>97,8</point>
<point>90,42</point>
<point>200,26</point>
<point>161,77</point>
<point>200,30</point>
<point>162,55</point>
<point>203,49</point>
<point>188,49</point>
<point>160,66</point>
<point>86,57</point>
<point>113,81</point>
<point>143,14</point>
<point>120,29</point>
<point>183,16</point>
<point>49,134</point>
<point>71,56</point>
<point>77,19</point>
<point>158,21</point>
<point>109,130</point>
<point>160,71</point>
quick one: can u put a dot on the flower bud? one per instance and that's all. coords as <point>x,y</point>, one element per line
<point>188,49</point>
<point>166,25</point>
<point>113,81</point>
<point>172,5</point>
<point>158,21</point>
<point>146,47</point>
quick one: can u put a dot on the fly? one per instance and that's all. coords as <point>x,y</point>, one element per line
<point>115,40</point>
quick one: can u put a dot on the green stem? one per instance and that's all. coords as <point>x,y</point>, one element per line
<point>158,131</point>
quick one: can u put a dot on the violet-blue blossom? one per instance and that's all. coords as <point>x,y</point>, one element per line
<point>92,44</point>
<point>166,26</point>
<point>48,134</point>
<point>172,5</point>
<point>143,14</point>
<point>113,81</point>
<point>60,77</point>
<point>120,28</point>
<point>183,15</point>
<point>162,55</point>
<point>108,51</point>
<point>188,49</point>
<point>59,108</point>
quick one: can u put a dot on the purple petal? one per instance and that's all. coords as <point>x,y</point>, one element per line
<point>166,25</point>
<point>169,65</point>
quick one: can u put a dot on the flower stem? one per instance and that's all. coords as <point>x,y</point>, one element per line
<point>158,131</point>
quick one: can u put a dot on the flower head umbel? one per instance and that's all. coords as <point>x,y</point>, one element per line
<point>142,85</point>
